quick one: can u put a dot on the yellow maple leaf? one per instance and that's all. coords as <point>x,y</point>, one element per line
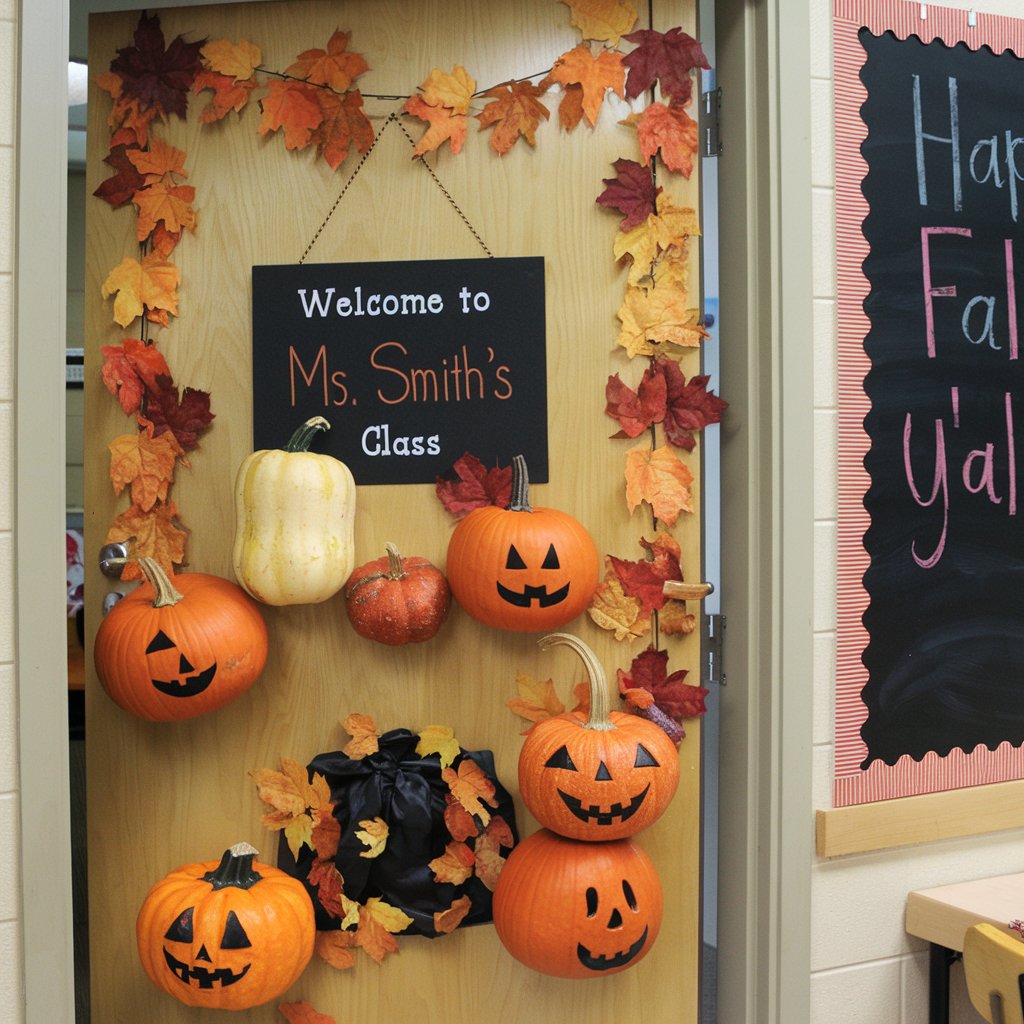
<point>595,75</point>
<point>659,478</point>
<point>471,787</point>
<point>151,284</point>
<point>440,740</point>
<point>291,799</point>
<point>363,731</point>
<point>653,316</point>
<point>446,921</point>
<point>145,464</point>
<point>336,948</point>
<point>161,203</point>
<point>373,834</point>
<point>237,60</point>
<point>612,609</point>
<point>379,922</point>
<point>455,865</point>
<point>155,533</point>
<point>452,89</point>
<point>604,20</point>
<point>537,699</point>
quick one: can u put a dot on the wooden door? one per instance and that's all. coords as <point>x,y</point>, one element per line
<point>164,794</point>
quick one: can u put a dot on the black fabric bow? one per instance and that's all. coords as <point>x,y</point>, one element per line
<point>406,790</point>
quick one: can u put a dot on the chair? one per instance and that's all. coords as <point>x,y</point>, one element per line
<point>994,968</point>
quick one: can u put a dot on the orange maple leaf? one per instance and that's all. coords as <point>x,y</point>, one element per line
<point>336,948</point>
<point>446,921</point>
<point>130,369</point>
<point>459,822</point>
<point>594,74</point>
<point>452,89</point>
<point>154,533</point>
<point>471,788</point>
<point>674,619</point>
<point>149,285</point>
<point>295,107</point>
<point>161,162</point>
<point>603,20</point>
<point>379,922</point>
<point>487,849</point>
<point>334,67</point>
<point>344,125</point>
<point>570,109</point>
<point>228,94</point>
<point>303,1013</point>
<point>659,478</point>
<point>128,120</point>
<point>514,112</point>
<point>669,129</point>
<point>295,803</point>
<point>237,61</point>
<point>145,464</point>
<point>613,609</point>
<point>363,731</point>
<point>160,203</point>
<point>537,699</point>
<point>445,126</point>
<point>455,865</point>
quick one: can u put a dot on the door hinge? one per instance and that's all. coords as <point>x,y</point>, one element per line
<point>712,637</point>
<point>710,122</point>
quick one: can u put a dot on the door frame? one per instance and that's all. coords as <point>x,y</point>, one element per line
<point>766,847</point>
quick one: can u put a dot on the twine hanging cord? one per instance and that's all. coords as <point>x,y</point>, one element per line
<point>393,118</point>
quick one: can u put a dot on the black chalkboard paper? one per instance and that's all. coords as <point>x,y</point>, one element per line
<point>940,679</point>
<point>413,363</point>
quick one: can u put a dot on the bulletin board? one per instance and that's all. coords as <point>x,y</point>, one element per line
<point>930,626</point>
<point>163,794</point>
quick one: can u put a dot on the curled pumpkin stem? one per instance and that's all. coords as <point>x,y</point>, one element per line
<point>167,594</point>
<point>599,719</point>
<point>395,570</point>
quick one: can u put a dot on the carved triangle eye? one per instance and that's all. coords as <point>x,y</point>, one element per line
<point>515,560</point>
<point>234,933</point>
<point>560,759</point>
<point>551,559</point>
<point>644,758</point>
<point>181,927</point>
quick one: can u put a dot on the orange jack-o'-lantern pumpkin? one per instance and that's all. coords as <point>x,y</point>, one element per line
<point>521,568</point>
<point>227,935</point>
<point>173,651</point>
<point>577,910</point>
<point>602,776</point>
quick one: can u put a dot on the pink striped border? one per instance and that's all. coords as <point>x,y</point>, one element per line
<point>932,773</point>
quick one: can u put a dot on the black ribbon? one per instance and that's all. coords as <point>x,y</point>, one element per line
<point>407,791</point>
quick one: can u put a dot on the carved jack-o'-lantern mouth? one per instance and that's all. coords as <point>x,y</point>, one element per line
<point>600,962</point>
<point>597,813</point>
<point>206,977</point>
<point>185,685</point>
<point>525,597</point>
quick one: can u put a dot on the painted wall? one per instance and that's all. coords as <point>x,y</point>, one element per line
<point>865,969</point>
<point>10,884</point>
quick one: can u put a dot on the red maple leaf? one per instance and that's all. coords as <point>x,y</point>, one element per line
<point>649,670</point>
<point>475,486</point>
<point>632,192</point>
<point>644,578</point>
<point>186,417</point>
<point>666,58</point>
<point>155,76</point>
<point>635,411</point>
<point>690,406</point>
<point>121,186</point>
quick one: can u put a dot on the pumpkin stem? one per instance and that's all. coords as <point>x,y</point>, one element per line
<point>166,593</point>
<point>235,869</point>
<point>520,501</point>
<point>395,570</point>
<point>599,719</point>
<point>303,437</point>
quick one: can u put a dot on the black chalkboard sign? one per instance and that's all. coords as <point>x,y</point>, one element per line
<point>412,363</point>
<point>945,190</point>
